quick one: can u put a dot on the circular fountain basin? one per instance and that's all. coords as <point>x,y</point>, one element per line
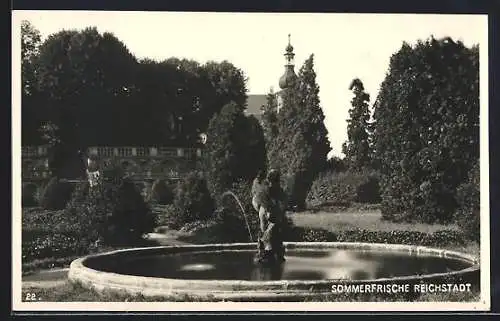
<point>228,271</point>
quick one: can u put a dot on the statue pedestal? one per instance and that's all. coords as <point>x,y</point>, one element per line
<point>264,257</point>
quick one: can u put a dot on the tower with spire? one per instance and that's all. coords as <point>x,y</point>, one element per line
<point>287,80</point>
<point>256,103</point>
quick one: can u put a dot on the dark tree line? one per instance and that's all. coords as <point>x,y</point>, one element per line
<point>83,88</point>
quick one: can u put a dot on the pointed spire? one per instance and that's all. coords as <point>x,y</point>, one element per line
<point>289,48</point>
<point>289,75</point>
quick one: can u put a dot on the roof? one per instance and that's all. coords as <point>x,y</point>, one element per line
<point>254,104</point>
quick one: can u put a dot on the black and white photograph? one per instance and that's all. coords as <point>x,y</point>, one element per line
<point>231,161</point>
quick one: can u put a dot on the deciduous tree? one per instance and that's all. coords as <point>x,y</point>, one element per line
<point>32,103</point>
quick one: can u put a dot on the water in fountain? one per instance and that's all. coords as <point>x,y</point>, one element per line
<point>229,193</point>
<point>301,264</point>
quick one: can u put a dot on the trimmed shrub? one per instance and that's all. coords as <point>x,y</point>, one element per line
<point>332,188</point>
<point>468,198</point>
<point>235,149</point>
<point>29,195</point>
<point>161,193</point>
<point>56,194</point>
<point>232,225</point>
<point>228,223</point>
<point>113,211</point>
<point>193,200</point>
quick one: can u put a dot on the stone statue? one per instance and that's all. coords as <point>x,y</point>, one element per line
<point>269,200</point>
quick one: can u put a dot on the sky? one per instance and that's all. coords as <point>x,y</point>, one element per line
<point>345,46</point>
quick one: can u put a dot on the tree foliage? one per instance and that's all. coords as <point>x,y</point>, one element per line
<point>228,83</point>
<point>235,149</point>
<point>97,93</point>
<point>86,77</point>
<point>427,128</point>
<point>357,147</point>
<point>30,43</point>
<point>270,118</point>
<point>91,91</point>
<point>469,207</point>
<point>301,145</point>
<point>32,109</point>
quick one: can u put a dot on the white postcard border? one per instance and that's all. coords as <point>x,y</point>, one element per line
<point>19,306</point>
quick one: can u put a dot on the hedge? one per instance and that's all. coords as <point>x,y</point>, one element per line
<point>438,238</point>
<point>344,188</point>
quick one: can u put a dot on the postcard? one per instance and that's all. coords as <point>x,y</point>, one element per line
<point>204,161</point>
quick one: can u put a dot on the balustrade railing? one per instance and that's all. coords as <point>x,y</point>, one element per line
<point>123,151</point>
<point>34,151</point>
<point>36,170</point>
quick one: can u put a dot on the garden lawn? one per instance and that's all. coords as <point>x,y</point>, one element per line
<point>368,220</point>
<point>371,220</point>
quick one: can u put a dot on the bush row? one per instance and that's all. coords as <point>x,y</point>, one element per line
<point>438,238</point>
<point>52,234</point>
<point>226,222</point>
<point>54,245</point>
<point>56,194</point>
<point>48,221</point>
<point>52,196</point>
<point>194,209</point>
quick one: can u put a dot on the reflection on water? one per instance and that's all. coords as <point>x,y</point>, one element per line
<point>197,267</point>
<point>299,265</point>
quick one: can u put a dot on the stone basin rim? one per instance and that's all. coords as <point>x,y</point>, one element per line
<point>80,272</point>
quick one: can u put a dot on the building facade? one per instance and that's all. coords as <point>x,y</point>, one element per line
<point>148,163</point>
